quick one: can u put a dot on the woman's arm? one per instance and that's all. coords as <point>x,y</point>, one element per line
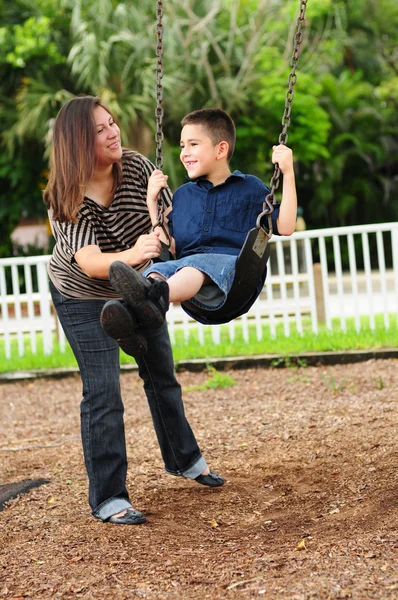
<point>95,263</point>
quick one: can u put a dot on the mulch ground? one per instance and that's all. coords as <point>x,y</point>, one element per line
<point>309,508</point>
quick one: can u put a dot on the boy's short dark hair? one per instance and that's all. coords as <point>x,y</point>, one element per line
<point>217,124</point>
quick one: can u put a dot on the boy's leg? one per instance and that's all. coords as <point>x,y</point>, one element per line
<point>148,298</point>
<point>184,284</point>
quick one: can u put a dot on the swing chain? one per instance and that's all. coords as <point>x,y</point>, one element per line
<point>159,137</point>
<point>270,200</point>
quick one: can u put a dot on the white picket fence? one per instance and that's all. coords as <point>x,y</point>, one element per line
<point>300,285</point>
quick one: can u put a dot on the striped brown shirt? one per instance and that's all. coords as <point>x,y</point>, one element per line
<point>112,229</point>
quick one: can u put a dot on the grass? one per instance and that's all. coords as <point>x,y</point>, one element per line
<point>281,346</point>
<point>216,380</point>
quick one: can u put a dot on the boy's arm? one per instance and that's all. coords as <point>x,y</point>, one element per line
<point>288,209</point>
<point>156,182</point>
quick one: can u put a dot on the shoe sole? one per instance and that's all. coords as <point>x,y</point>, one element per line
<point>132,287</point>
<point>118,324</point>
<point>210,480</point>
<point>130,520</point>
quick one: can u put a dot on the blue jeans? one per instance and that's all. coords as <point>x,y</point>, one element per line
<point>102,425</point>
<point>219,267</point>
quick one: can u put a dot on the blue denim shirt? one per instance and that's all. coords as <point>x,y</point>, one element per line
<point>216,219</point>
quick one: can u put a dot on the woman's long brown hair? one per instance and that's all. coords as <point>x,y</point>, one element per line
<point>73,158</point>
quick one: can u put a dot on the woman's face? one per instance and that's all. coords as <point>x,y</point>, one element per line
<point>107,142</point>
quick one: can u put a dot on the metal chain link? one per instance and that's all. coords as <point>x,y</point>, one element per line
<point>270,200</point>
<point>159,136</point>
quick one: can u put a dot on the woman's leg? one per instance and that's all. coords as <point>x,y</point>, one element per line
<point>184,284</point>
<point>177,442</point>
<point>102,425</point>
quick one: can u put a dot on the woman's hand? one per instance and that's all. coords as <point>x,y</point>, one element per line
<point>146,247</point>
<point>95,263</point>
<point>156,182</point>
<point>284,157</point>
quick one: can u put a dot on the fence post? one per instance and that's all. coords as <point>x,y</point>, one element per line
<point>42,281</point>
<point>319,293</point>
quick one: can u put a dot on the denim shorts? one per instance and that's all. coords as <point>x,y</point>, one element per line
<point>219,267</point>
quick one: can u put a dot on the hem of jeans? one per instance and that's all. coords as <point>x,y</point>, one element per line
<point>223,289</point>
<point>111,507</point>
<point>192,471</point>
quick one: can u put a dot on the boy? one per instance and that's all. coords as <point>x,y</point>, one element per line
<point>208,221</point>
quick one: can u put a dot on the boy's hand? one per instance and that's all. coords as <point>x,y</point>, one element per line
<point>156,182</point>
<point>284,157</point>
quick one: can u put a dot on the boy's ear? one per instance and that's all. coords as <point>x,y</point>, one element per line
<point>223,149</point>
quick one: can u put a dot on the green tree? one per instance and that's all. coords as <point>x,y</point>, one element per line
<point>358,182</point>
<point>31,45</point>
<point>228,53</point>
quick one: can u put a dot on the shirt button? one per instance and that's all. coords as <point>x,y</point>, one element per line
<point>209,210</point>
<point>206,229</point>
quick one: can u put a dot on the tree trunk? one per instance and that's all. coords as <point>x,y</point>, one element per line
<point>141,138</point>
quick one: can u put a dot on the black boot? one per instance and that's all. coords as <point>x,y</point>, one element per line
<point>147,298</point>
<point>118,322</point>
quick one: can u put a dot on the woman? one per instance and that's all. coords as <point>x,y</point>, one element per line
<point>96,197</point>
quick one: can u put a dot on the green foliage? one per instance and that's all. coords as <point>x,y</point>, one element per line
<point>233,54</point>
<point>379,383</point>
<point>351,173</point>
<point>259,130</point>
<point>29,41</point>
<point>332,384</point>
<point>20,192</point>
<point>284,349</point>
<point>289,362</point>
<point>216,380</point>
<point>32,49</point>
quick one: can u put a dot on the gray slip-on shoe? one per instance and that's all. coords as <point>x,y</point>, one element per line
<point>131,517</point>
<point>212,479</point>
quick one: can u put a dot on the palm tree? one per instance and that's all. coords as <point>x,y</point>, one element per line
<point>212,49</point>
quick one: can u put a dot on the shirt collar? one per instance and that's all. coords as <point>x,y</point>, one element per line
<point>202,181</point>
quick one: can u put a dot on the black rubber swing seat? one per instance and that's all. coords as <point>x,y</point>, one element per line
<point>250,271</point>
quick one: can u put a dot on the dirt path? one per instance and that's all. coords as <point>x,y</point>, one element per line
<point>309,510</point>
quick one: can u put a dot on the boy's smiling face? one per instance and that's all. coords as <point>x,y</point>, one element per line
<point>198,154</point>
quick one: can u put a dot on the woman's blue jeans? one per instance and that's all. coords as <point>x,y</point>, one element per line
<point>102,425</point>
